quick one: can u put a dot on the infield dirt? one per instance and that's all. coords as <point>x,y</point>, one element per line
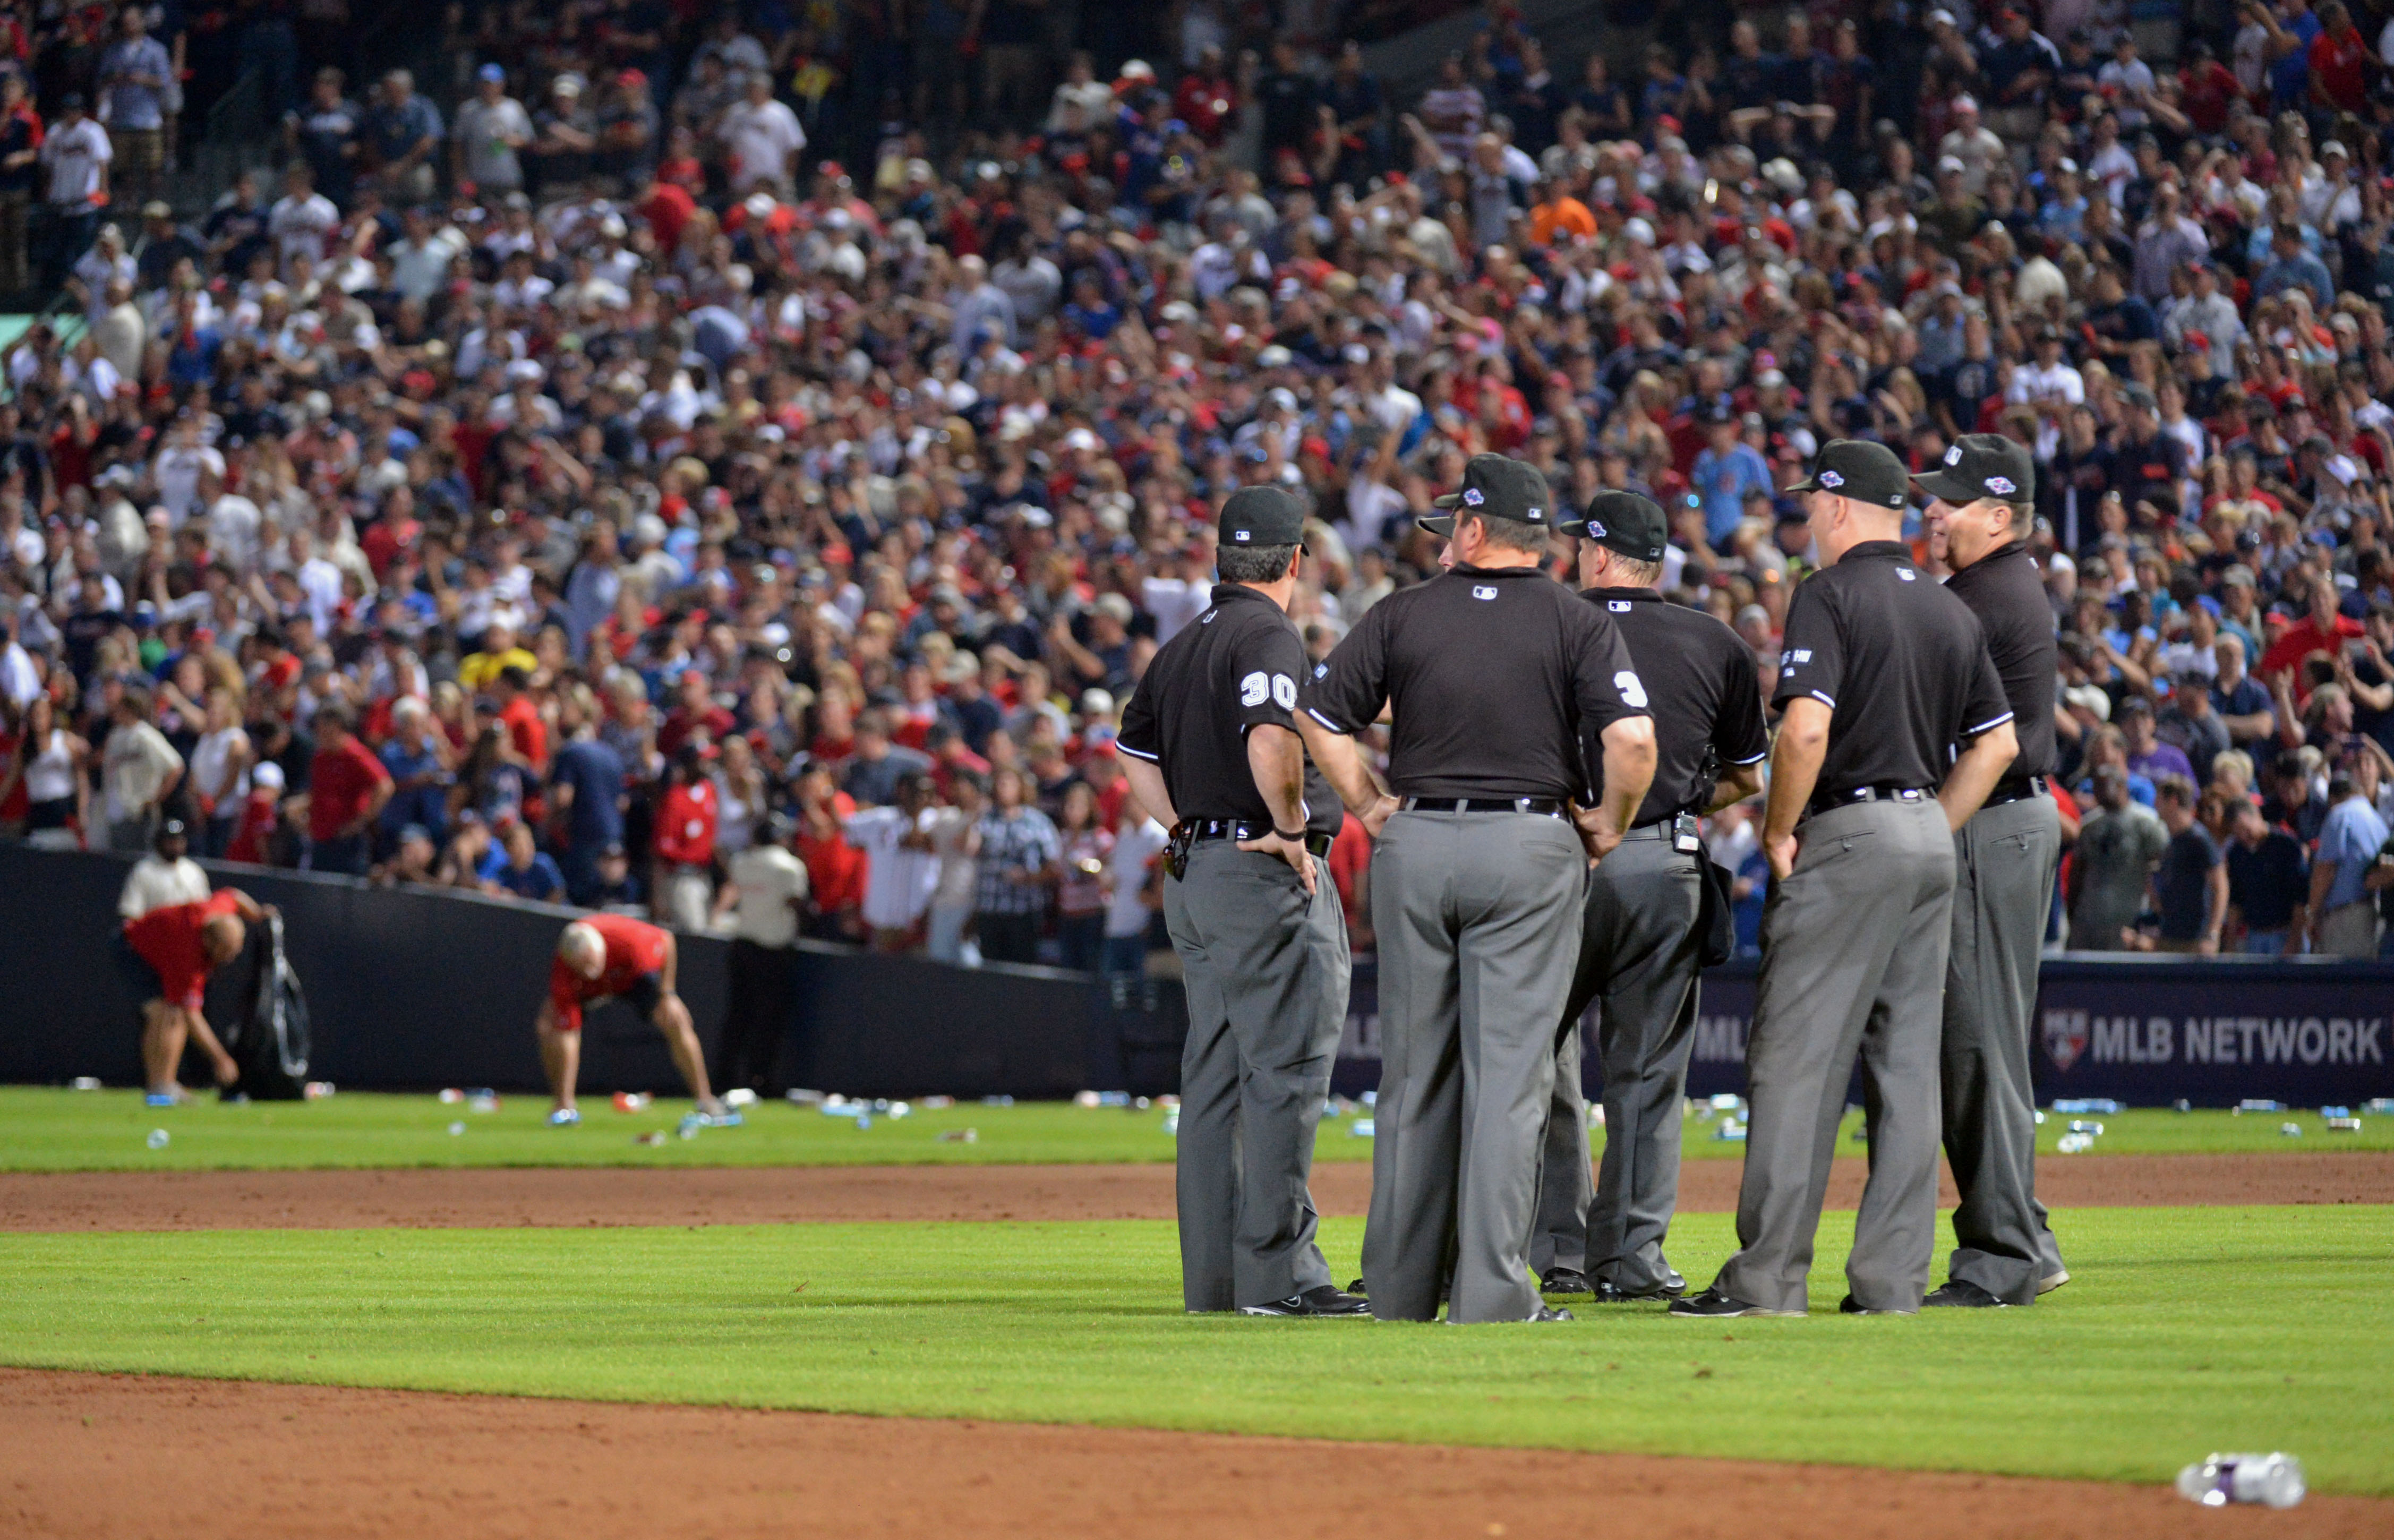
<point>447,1198</point>
<point>127,1457</point>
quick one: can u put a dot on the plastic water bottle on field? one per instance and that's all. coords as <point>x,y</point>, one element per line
<point>2275,1480</point>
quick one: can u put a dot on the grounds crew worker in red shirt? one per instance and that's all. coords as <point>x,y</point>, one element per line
<point>616,957</point>
<point>183,943</point>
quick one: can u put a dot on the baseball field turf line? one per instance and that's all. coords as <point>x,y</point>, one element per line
<point>59,1130</point>
<point>2186,1330</point>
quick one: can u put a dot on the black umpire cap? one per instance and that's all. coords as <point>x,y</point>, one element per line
<point>1496,487</point>
<point>1262,516</point>
<point>1982,465</point>
<point>1623,521</point>
<point>1863,471</point>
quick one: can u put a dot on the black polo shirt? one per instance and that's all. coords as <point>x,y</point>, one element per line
<point>1901,663</point>
<point>1706,693</point>
<point>1495,678</point>
<point>1234,668</point>
<point>2002,589</point>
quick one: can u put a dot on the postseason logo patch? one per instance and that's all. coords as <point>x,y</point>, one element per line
<point>1595,530</point>
<point>1473,498</point>
<point>1831,478</point>
<point>2001,486</point>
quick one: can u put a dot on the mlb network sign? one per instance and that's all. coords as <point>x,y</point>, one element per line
<point>2213,1034</point>
<point>2070,1035</point>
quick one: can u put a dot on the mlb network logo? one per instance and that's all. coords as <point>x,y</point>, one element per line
<point>2070,1035</point>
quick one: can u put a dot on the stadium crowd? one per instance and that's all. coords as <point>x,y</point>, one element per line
<point>575,491</point>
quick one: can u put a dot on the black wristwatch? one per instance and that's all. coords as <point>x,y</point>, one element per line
<point>1296,838</point>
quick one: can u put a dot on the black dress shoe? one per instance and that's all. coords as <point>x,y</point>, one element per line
<point>1966,1296</point>
<point>1850,1306</point>
<point>1320,1300</point>
<point>1610,1293</point>
<point>1548,1313</point>
<point>1713,1305</point>
<point>2052,1280</point>
<point>1564,1280</point>
<point>1673,1284</point>
<point>1358,1290</point>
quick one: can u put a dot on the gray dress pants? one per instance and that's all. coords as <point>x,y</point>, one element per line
<point>1478,916</point>
<point>2005,860</point>
<point>1266,971</point>
<point>1565,1190</point>
<point>1853,957</point>
<point>1638,962</point>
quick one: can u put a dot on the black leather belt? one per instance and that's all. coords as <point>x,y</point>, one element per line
<point>2019,789</point>
<point>1825,801</point>
<point>1243,831</point>
<point>1681,828</point>
<point>1544,807</point>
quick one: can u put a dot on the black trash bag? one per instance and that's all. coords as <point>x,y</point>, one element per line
<point>271,1043</point>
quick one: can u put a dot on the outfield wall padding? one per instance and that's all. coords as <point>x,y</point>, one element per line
<point>410,988</point>
<point>413,988</point>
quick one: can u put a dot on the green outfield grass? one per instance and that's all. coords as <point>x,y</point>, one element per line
<point>2186,1330</point>
<point>54,1130</point>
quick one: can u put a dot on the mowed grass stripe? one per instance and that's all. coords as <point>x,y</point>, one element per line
<point>2187,1330</point>
<point>58,1130</point>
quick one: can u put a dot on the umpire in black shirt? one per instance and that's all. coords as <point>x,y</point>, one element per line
<point>1497,678</point>
<point>1642,930</point>
<point>1210,745</point>
<point>1882,674</point>
<point>1983,497</point>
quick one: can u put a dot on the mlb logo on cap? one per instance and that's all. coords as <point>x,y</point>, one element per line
<point>1983,465</point>
<point>1858,472</point>
<point>1622,521</point>
<point>1262,516</point>
<point>1493,487</point>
